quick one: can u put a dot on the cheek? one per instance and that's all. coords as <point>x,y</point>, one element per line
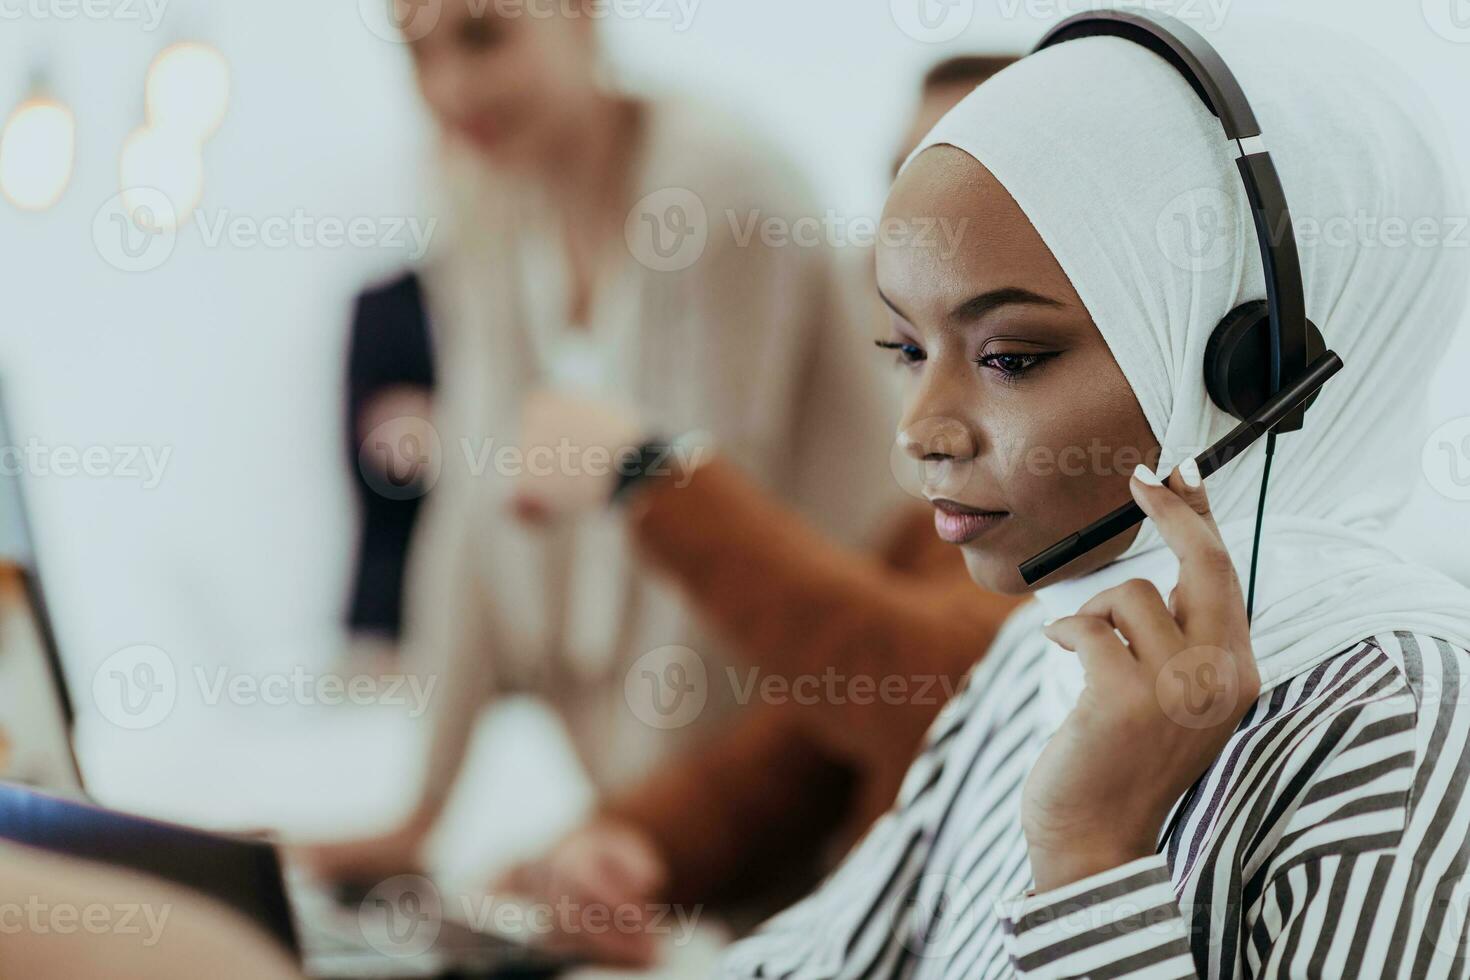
<point>1068,463</point>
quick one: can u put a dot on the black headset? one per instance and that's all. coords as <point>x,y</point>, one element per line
<point>1265,363</point>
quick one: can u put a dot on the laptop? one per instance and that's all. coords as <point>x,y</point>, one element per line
<point>397,930</point>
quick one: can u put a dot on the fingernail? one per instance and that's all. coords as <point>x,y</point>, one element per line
<point>1189,470</point>
<point>1047,624</point>
<point>1146,476</point>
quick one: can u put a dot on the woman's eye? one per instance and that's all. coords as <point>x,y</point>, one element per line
<point>1011,365</point>
<point>907,353</point>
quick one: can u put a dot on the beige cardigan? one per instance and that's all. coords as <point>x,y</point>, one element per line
<point>747,344</point>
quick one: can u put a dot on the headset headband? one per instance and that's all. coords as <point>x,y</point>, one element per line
<point>1212,80</point>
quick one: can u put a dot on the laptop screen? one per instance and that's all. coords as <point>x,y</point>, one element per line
<point>36,714</point>
<point>243,874</point>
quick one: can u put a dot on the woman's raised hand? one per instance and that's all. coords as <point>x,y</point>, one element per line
<point>1167,684</point>
<point>571,447</point>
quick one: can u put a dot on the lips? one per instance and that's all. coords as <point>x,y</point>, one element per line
<point>959,524</point>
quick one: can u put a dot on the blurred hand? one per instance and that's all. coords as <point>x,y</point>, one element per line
<point>570,447</point>
<point>608,871</point>
<point>366,860</point>
<point>398,447</point>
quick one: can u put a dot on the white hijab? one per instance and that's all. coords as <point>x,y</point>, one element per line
<point>1129,180</point>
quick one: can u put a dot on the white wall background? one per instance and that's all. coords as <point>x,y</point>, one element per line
<point>230,358</point>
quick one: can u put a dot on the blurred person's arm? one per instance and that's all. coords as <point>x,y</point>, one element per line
<point>82,921</point>
<point>880,640</point>
<point>728,817</point>
<point>746,815</point>
<point>390,376</point>
<point>786,783</point>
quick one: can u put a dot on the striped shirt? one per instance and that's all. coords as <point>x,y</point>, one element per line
<point>1328,839</point>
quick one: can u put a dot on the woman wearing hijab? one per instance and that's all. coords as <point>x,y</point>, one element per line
<point>1137,780</point>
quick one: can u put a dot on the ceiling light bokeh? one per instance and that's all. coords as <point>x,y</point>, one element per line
<point>37,154</point>
<point>188,89</point>
<point>167,162</point>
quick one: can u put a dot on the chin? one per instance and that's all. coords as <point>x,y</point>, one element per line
<point>995,571</point>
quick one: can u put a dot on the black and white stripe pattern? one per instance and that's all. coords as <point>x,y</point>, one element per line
<point>1329,839</point>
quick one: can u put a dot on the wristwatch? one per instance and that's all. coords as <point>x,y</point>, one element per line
<point>659,459</point>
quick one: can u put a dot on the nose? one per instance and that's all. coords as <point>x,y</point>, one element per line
<point>936,439</point>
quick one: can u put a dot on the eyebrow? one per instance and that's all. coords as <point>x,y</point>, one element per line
<point>978,307</point>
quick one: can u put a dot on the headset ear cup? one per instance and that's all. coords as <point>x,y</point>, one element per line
<point>1238,359</point>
